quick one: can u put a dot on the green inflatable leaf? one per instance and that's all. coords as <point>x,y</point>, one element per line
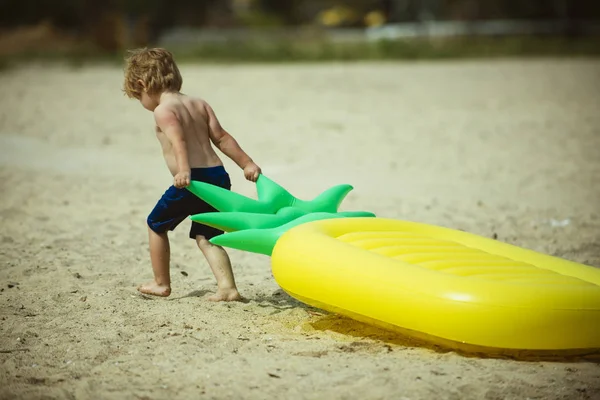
<point>262,241</point>
<point>328,201</point>
<point>226,200</point>
<point>271,198</point>
<point>237,221</point>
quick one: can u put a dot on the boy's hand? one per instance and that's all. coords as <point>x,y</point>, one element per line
<point>182,179</point>
<point>252,171</point>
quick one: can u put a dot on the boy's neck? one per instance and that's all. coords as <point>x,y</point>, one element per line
<point>160,97</point>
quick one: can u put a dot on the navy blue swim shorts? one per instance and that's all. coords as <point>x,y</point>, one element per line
<point>175,205</point>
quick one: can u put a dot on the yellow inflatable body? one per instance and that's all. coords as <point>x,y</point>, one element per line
<point>441,284</point>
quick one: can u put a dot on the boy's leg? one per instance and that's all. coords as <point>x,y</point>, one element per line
<point>221,267</point>
<point>215,255</point>
<point>160,254</point>
<point>166,215</point>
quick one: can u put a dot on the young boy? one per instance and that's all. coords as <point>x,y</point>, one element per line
<point>185,127</point>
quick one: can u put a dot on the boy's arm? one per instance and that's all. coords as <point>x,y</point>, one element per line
<point>229,146</point>
<point>169,124</point>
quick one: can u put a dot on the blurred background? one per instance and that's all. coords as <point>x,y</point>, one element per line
<point>280,30</point>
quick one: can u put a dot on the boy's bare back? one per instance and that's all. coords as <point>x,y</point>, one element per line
<point>193,117</point>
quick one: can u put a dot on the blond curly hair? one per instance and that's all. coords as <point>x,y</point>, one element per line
<point>155,67</point>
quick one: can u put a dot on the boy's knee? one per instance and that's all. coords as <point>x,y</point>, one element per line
<point>205,244</point>
<point>202,241</point>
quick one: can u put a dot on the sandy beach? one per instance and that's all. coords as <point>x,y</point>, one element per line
<point>505,148</point>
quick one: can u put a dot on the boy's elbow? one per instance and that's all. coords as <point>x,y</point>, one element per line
<point>223,139</point>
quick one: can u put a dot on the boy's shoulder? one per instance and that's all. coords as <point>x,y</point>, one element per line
<point>197,100</point>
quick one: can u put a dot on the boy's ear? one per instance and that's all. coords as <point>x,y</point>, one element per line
<point>142,84</point>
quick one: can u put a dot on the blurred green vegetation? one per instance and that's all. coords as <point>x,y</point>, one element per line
<point>278,51</point>
<point>413,49</point>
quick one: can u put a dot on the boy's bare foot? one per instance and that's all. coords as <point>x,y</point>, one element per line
<point>155,289</point>
<point>226,295</point>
